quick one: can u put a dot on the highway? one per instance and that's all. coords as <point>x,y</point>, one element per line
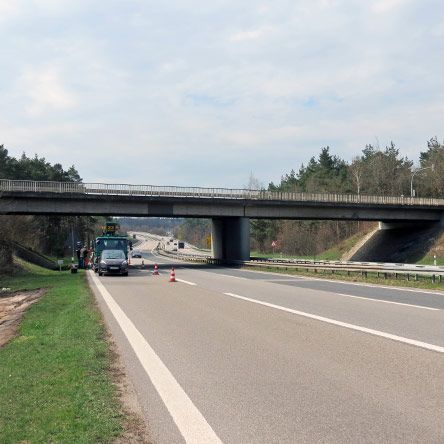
<point>234,356</point>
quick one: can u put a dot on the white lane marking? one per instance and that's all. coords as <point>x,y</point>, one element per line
<point>185,282</point>
<point>382,334</point>
<point>275,281</point>
<point>224,275</point>
<point>190,422</point>
<point>386,302</point>
<point>359,284</point>
<point>296,279</point>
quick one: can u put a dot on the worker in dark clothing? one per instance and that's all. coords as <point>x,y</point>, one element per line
<point>82,255</point>
<point>85,257</point>
<point>78,255</point>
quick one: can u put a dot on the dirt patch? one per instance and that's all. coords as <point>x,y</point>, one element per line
<point>12,308</point>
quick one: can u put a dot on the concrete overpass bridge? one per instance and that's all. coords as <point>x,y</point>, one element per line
<point>229,209</point>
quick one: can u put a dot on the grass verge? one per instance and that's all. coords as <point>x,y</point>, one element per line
<point>430,260</point>
<point>423,282</point>
<point>332,254</point>
<point>55,376</point>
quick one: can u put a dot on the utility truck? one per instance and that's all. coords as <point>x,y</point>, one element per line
<point>110,240</point>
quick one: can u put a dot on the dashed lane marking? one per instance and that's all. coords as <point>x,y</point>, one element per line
<point>185,282</point>
<point>382,334</point>
<point>387,302</point>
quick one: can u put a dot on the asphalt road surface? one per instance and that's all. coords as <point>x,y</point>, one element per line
<point>233,356</point>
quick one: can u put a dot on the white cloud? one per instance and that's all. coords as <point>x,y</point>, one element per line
<point>9,9</point>
<point>386,6</point>
<point>252,34</point>
<point>46,91</point>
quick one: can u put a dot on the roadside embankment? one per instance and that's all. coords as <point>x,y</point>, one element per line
<point>32,256</point>
<point>403,244</point>
<point>56,381</point>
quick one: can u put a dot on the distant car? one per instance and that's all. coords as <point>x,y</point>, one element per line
<point>136,253</point>
<point>113,261</point>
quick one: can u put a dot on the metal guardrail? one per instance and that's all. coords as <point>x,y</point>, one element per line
<point>378,266</point>
<point>186,257</point>
<point>7,185</point>
<point>349,265</point>
<point>385,273</point>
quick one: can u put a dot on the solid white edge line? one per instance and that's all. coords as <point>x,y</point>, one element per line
<point>359,284</point>
<point>386,302</point>
<point>185,282</point>
<point>382,334</point>
<point>192,425</point>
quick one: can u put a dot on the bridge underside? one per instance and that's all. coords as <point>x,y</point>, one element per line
<point>139,206</point>
<point>230,226</point>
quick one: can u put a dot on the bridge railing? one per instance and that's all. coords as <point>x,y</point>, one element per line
<point>214,193</point>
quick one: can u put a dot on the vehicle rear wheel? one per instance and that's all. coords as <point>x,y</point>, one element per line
<point>100,273</point>
<point>125,274</point>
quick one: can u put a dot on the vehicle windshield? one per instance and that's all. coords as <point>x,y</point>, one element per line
<point>111,244</point>
<point>113,254</point>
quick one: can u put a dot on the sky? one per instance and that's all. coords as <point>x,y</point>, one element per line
<point>206,93</point>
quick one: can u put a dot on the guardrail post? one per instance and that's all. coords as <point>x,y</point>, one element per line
<point>416,276</point>
<point>408,276</point>
<point>433,278</point>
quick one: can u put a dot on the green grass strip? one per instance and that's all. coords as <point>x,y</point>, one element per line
<point>55,380</point>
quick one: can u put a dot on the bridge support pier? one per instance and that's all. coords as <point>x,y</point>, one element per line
<point>230,238</point>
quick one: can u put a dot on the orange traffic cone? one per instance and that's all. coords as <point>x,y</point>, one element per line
<point>156,270</point>
<point>172,275</point>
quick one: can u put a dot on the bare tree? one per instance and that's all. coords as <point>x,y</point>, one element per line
<point>253,183</point>
<point>356,169</point>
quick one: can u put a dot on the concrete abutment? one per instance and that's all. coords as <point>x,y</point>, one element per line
<point>403,242</point>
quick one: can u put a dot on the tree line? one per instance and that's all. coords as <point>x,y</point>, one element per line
<point>374,171</point>
<point>51,235</point>
<point>156,225</point>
